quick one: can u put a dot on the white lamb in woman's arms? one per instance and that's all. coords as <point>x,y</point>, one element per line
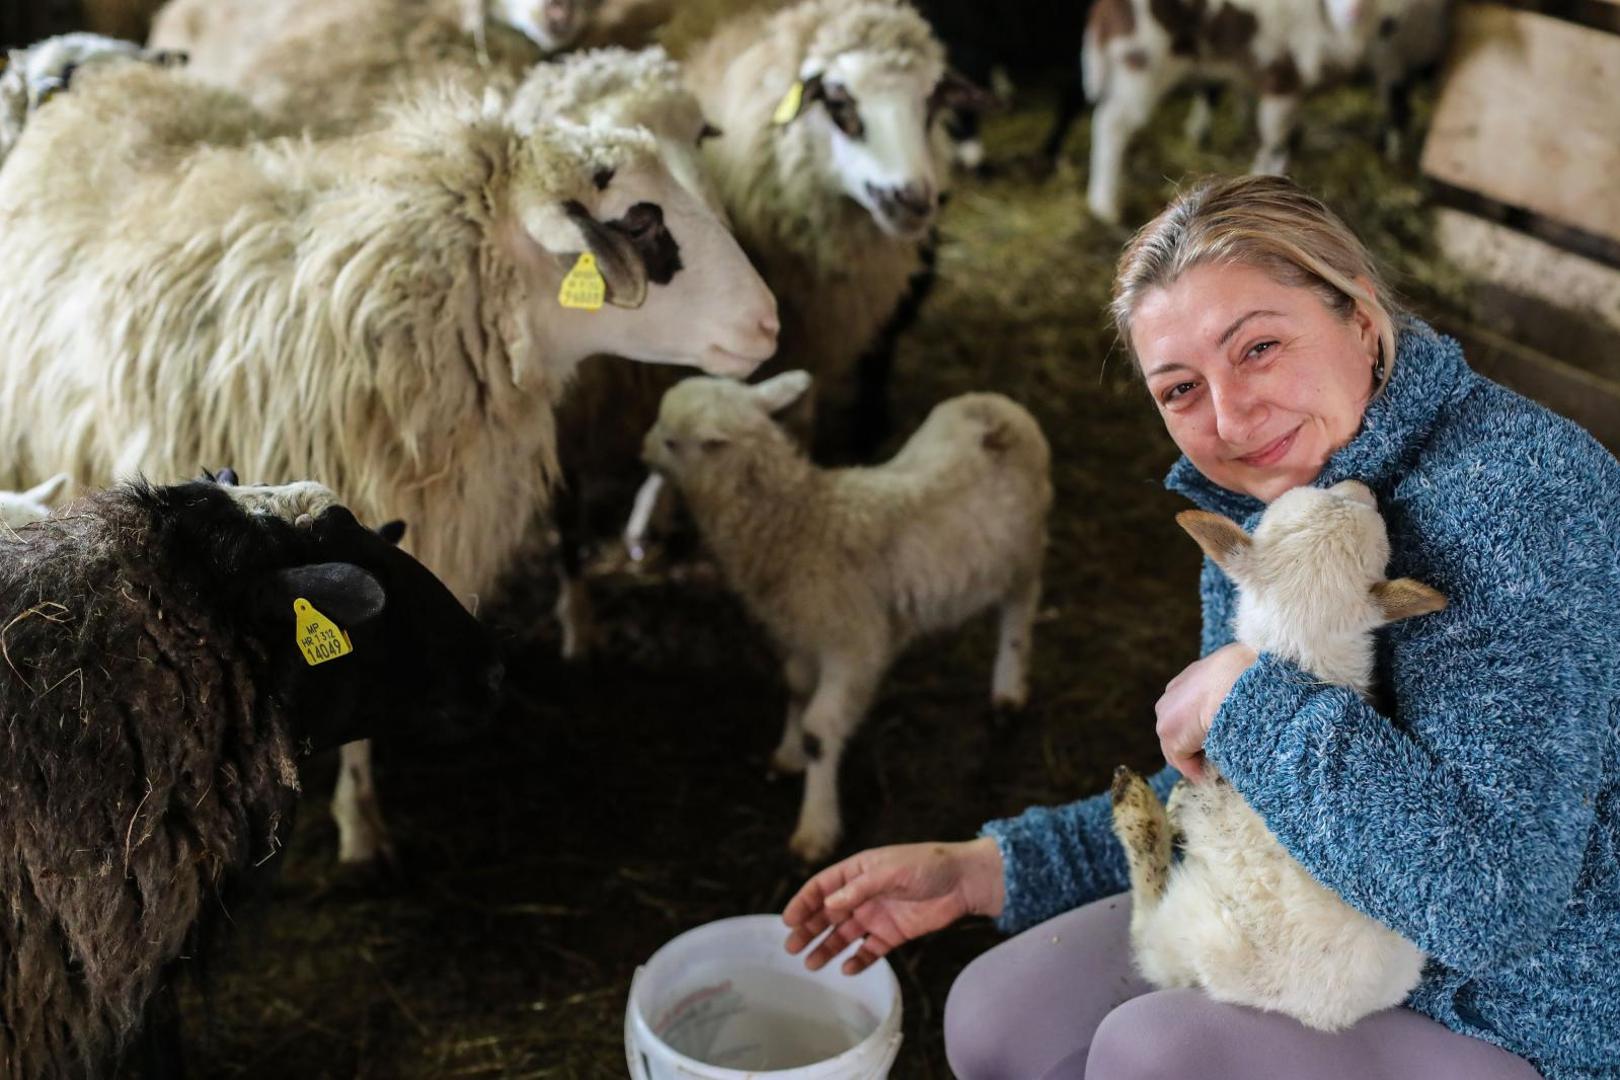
<point>1237,916</point>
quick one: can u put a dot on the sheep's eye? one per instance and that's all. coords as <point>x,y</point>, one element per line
<point>602,179</point>
<point>670,445</point>
<point>709,132</point>
<point>841,109</point>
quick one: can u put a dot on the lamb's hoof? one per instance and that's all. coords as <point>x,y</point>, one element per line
<point>812,846</point>
<point>1126,781</point>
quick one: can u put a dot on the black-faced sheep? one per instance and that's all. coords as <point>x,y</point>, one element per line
<point>1237,915</point>
<point>846,567</point>
<point>161,679</point>
<point>388,311</point>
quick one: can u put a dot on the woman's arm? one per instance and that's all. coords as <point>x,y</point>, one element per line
<point>1462,821</point>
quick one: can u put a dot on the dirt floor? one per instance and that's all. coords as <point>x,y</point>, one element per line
<point>620,802</point>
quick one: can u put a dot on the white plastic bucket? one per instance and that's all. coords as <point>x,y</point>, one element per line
<point>726,1002</point>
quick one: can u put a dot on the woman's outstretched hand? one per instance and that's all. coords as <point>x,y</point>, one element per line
<point>1190,703</point>
<point>887,896</point>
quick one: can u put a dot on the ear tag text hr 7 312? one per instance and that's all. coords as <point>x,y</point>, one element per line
<point>789,106</point>
<point>584,286</point>
<point>319,638</point>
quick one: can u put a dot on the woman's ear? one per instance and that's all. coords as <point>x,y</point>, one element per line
<point>1367,324</point>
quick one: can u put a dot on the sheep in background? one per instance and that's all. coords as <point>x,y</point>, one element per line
<point>18,508</point>
<point>330,66</point>
<point>830,160</point>
<point>1135,52</point>
<point>156,701</point>
<point>1237,916</point>
<point>30,77</point>
<point>847,567</point>
<point>553,25</point>
<point>382,311</point>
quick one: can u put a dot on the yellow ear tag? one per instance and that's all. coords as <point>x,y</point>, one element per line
<point>584,287</point>
<point>788,107</point>
<point>319,638</point>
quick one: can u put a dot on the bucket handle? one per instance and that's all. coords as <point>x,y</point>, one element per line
<point>635,1057</point>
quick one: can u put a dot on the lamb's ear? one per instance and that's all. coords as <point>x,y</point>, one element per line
<point>44,493</point>
<point>343,592</point>
<point>780,391</point>
<point>1405,598</point>
<point>392,531</point>
<point>1222,539</point>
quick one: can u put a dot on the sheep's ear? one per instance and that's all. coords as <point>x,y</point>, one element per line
<point>780,391</point>
<point>1222,539</point>
<point>1405,598</point>
<point>343,592</point>
<point>392,531</point>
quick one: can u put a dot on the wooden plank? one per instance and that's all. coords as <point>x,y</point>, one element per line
<point>1529,115</point>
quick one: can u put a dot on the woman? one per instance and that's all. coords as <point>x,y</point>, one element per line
<point>1478,815</point>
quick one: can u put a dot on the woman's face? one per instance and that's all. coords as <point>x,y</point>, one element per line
<point>1258,382</point>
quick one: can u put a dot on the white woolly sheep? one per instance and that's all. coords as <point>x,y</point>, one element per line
<point>156,699</point>
<point>381,311</point>
<point>30,77</point>
<point>18,508</point>
<point>1237,916</point>
<point>612,403</point>
<point>847,567</point>
<point>1135,51</point>
<point>829,162</point>
<point>330,66</point>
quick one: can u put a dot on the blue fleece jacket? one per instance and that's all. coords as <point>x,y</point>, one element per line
<point>1481,817</point>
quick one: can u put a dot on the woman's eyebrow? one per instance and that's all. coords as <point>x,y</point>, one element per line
<point>1230,330</point>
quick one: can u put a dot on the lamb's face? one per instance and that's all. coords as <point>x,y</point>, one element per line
<point>702,420</point>
<point>678,288</point>
<point>880,123</point>
<point>1335,535</point>
<point>551,24</point>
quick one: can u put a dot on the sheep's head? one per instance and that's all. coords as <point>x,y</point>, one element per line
<point>870,97</point>
<point>1314,569</point>
<point>553,25</point>
<point>621,88</point>
<point>19,508</point>
<point>628,262</point>
<point>701,420</point>
<point>403,656</point>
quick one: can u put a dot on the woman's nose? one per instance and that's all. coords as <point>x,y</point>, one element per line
<point>1238,414</point>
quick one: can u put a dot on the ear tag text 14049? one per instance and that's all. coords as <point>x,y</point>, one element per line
<point>584,287</point>
<point>319,638</point>
<point>791,102</point>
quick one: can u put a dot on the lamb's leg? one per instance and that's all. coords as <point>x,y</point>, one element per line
<point>1277,112</point>
<point>652,511</point>
<point>800,674</point>
<point>1132,95</point>
<point>1009,688</point>
<point>362,833</point>
<point>1144,831</point>
<point>844,689</point>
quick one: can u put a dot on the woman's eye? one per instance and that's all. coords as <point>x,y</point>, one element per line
<point>1177,391</point>
<point>1260,347</point>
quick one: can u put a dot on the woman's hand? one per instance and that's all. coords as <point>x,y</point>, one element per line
<point>1190,702</point>
<point>889,895</point>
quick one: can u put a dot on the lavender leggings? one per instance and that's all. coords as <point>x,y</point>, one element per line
<point>1062,1002</point>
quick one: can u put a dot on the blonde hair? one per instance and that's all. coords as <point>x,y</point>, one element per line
<point>1267,222</point>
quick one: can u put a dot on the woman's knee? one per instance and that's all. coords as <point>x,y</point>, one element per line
<point>974,1028</point>
<point>1148,1038</point>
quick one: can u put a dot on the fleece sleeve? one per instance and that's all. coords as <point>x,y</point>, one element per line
<point>1460,820</point>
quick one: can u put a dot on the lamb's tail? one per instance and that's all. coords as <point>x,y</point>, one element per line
<point>1143,829</point>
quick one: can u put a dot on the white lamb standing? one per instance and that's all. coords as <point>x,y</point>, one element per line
<point>19,508</point>
<point>30,77</point>
<point>382,311</point>
<point>1136,51</point>
<point>1237,916</point>
<point>830,160</point>
<point>846,567</point>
